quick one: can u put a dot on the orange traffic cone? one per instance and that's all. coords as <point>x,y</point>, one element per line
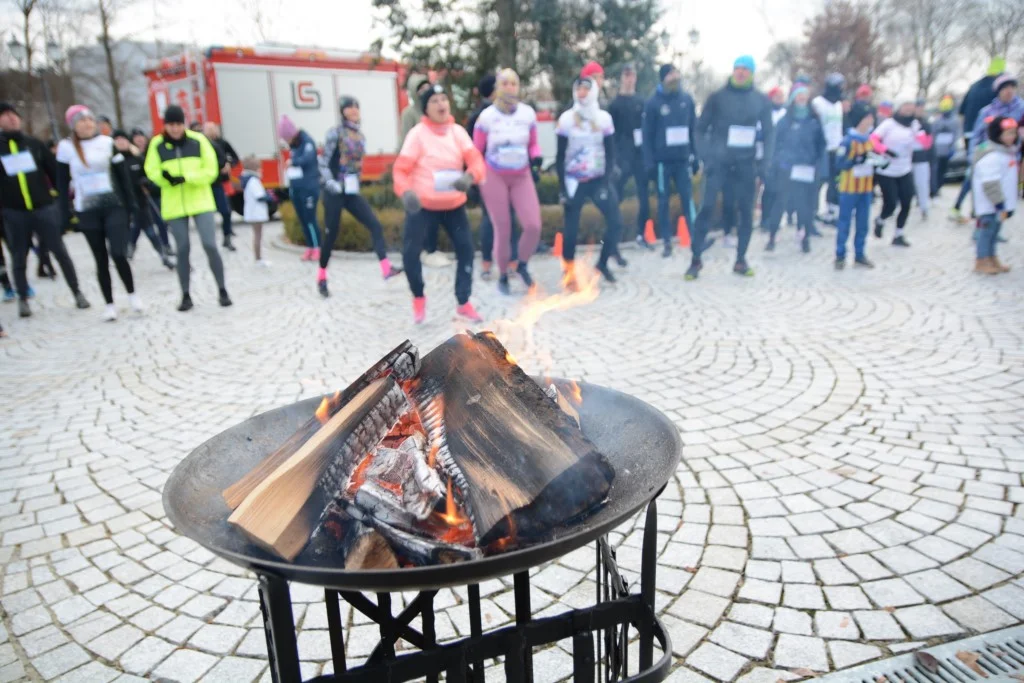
<point>683,232</point>
<point>649,235</point>
<point>557,249</point>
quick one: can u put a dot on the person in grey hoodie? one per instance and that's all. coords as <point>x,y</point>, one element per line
<point>412,114</point>
<point>946,129</point>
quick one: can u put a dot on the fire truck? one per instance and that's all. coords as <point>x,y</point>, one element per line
<point>247,89</point>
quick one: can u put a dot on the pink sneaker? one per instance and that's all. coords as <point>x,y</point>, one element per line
<point>419,309</point>
<point>307,255</point>
<point>467,311</point>
<point>388,270</point>
<point>316,254</point>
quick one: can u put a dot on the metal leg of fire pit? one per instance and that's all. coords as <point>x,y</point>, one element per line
<point>279,627</point>
<point>475,628</point>
<point>521,582</point>
<point>333,602</point>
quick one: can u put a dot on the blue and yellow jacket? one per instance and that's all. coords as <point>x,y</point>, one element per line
<point>32,190</point>
<point>852,154</point>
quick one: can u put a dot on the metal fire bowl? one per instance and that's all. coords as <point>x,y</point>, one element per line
<point>639,441</point>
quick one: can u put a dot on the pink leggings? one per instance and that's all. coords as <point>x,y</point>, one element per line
<point>499,192</point>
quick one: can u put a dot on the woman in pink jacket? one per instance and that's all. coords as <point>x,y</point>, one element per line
<point>506,134</point>
<point>436,166</point>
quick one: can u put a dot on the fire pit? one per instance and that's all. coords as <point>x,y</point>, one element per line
<point>638,443</point>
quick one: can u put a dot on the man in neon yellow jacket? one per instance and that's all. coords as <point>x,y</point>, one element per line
<point>183,164</point>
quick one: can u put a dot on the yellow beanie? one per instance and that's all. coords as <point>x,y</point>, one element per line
<point>946,103</point>
<point>996,66</point>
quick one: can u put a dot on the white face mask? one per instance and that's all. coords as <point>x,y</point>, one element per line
<point>588,107</point>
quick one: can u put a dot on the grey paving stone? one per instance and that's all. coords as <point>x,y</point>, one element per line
<point>185,666</point>
<point>937,586</point>
<point>145,655</point>
<point>802,596</point>
<point>698,607</point>
<point>846,597</point>
<point>891,593</point>
<point>835,625</point>
<point>977,575</point>
<point>926,621</point>
<point>717,662</point>
<point>801,652</point>
<point>978,614</point>
<point>745,640</point>
<point>791,621</point>
<point>878,625</point>
<point>847,654</point>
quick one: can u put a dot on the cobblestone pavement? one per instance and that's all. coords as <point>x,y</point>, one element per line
<point>850,485</point>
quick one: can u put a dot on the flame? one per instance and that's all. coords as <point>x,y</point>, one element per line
<point>451,514</point>
<point>511,359</point>
<point>576,394</point>
<point>323,411</point>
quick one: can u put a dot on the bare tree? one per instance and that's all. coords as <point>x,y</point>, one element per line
<point>264,15</point>
<point>995,27</point>
<point>783,60</point>
<point>62,22</point>
<point>107,12</point>
<point>930,34</point>
<point>26,7</point>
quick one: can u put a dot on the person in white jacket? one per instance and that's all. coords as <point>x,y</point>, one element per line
<point>994,184</point>
<point>255,205</point>
<point>828,107</point>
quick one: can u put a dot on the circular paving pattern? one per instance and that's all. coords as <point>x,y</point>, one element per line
<point>851,484</point>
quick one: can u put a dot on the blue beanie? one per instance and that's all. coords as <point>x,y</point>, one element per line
<point>746,61</point>
<point>796,91</point>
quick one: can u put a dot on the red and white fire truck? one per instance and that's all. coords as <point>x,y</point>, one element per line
<point>247,89</point>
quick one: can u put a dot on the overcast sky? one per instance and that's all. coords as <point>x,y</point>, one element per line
<point>727,28</point>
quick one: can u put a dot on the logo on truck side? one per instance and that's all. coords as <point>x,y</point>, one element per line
<point>304,95</point>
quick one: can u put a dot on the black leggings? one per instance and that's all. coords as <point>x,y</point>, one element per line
<point>360,209</point>
<point>896,190</point>
<point>105,226</point>
<point>45,223</point>
<point>456,224</point>
<point>603,195</point>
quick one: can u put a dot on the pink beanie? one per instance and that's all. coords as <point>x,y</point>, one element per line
<point>75,112</point>
<point>286,128</point>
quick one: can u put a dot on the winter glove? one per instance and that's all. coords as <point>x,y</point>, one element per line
<point>174,180</point>
<point>411,202</point>
<point>615,174</point>
<point>464,182</point>
<point>860,159</point>
<point>535,165</point>
<point>891,154</point>
<point>333,186</point>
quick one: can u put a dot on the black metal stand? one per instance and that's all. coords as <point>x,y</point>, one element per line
<point>606,624</point>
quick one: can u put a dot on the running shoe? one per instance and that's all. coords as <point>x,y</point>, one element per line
<point>24,310</point>
<point>186,303</point>
<point>467,312</point>
<point>879,226</point>
<point>31,293</point>
<point>693,272</point>
<point>641,242</point>
<point>223,299</point>
<point>419,309</point>
<point>9,295</point>
<point>899,241</point>
<point>840,264</point>
<point>667,251</point>
<point>771,245</point>
<point>525,275</point>
<point>80,301</point>
<point>863,262</point>
<point>307,255</point>
<point>503,285</point>
<point>606,273</point>
<point>110,313</point>
<point>136,303</point>
<point>321,286</point>
<point>741,268</point>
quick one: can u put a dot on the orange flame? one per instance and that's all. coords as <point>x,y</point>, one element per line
<point>432,458</point>
<point>327,405</point>
<point>359,476</point>
<point>511,359</point>
<point>451,514</point>
<point>576,395</point>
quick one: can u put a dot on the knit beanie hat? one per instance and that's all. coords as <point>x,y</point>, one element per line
<point>435,89</point>
<point>885,108</point>
<point>1002,81</point>
<point>174,114</point>
<point>858,114</point>
<point>773,92</point>
<point>591,69</point>
<point>996,66</point>
<point>796,91</point>
<point>946,103</point>
<point>746,62</point>
<point>801,79</point>
<point>346,101</point>
<point>864,92</point>
<point>486,86</point>
<point>664,71</point>
<point>120,134</point>
<point>6,107</point>
<point>76,112</point>
<point>286,128</point>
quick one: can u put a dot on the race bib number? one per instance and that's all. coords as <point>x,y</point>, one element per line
<point>20,162</point>
<point>512,156</point>
<point>802,174</point>
<point>677,135</point>
<point>94,184</point>
<point>293,173</point>
<point>571,185</point>
<point>444,181</point>
<point>638,137</point>
<point>352,184</point>
<point>741,136</point>
<point>944,139</point>
<point>863,171</point>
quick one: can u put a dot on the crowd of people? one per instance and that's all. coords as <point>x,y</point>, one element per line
<point>794,150</point>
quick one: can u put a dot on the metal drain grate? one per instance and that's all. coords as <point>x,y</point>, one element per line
<point>1000,656</point>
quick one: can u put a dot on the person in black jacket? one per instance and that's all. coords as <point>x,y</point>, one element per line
<point>978,96</point>
<point>670,151</point>
<point>485,88</point>
<point>735,131</point>
<point>141,217</point>
<point>227,158</point>
<point>28,170</point>
<point>141,142</point>
<point>627,110</point>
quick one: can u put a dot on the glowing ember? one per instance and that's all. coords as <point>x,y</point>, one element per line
<point>359,475</point>
<point>451,514</point>
<point>510,358</point>
<point>323,413</point>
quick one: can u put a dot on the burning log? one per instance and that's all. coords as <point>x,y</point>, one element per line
<point>403,362</point>
<point>281,512</point>
<point>523,466</point>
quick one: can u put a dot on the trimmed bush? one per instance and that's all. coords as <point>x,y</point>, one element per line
<point>354,237</point>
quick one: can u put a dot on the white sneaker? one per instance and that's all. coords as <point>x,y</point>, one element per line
<point>110,313</point>
<point>436,260</point>
<point>730,240</point>
<point>262,263</point>
<point>136,303</point>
